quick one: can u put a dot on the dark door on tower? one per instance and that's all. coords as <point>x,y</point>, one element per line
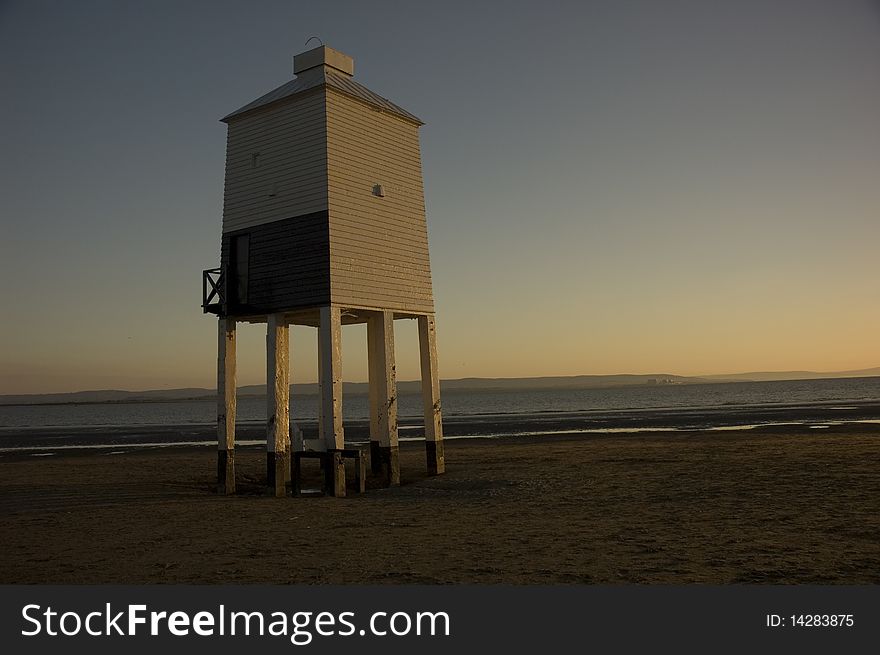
<point>238,269</point>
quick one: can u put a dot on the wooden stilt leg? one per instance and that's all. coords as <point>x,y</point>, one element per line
<point>226,406</point>
<point>330,381</point>
<point>373,386</point>
<point>383,397</point>
<point>277,405</point>
<point>431,396</point>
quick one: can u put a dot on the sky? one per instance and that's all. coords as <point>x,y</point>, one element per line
<point>628,186</point>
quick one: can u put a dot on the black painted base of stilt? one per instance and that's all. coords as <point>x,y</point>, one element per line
<point>389,465</point>
<point>277,473</point>
<point>375,458</point>
<point>435,457</point>
<point>225,471</point>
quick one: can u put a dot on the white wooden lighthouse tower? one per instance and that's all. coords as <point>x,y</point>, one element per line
<point>324,225</point>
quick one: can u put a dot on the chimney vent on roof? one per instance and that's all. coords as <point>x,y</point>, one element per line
<point>323,56</point>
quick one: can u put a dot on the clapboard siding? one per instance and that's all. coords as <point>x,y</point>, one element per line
<point>291,176</point>
<point>288,264</point>
<point>378,246</point>
<point>317,234</point>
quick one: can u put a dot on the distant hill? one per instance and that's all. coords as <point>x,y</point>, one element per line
<point>567,382</point>
<point>412,386</point>
<point>408,386</point>
<point>767,376</point>
<point>105,396</point>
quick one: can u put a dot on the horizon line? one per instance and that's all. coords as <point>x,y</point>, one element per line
<point>716,376</point>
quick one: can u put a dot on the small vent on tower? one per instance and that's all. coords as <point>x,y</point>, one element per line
<point>378,190</point>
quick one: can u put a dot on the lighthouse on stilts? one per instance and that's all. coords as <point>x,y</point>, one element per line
<point>323,225</point>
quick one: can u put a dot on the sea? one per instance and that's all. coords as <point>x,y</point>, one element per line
<point>813,404</point>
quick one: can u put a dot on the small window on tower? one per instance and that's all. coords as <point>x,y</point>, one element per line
<point>255,160</point>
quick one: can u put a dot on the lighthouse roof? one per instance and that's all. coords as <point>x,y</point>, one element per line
<point>324,66</point>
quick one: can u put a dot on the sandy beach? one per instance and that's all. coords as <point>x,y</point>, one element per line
<point>773,505</point>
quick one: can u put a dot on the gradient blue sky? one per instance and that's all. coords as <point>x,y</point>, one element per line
<point>623,186</point>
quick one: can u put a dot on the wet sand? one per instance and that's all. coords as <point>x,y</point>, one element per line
<point>761,506</point>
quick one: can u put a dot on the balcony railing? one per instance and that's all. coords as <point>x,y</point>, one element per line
<point>213,294</point>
